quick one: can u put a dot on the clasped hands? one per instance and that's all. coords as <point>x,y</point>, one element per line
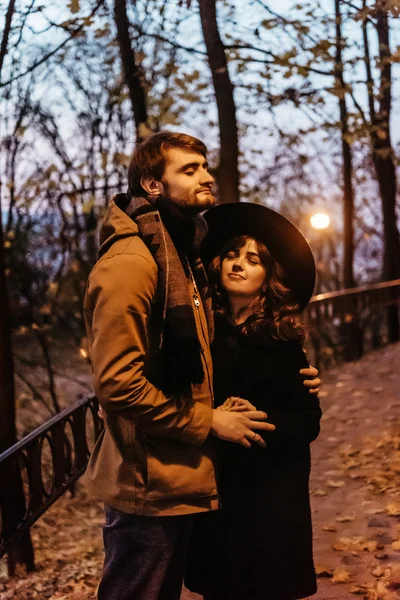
<point>235,421</point>
<point>236,404</point>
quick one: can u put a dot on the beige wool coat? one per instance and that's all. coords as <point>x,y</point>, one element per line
<point>154,456</point>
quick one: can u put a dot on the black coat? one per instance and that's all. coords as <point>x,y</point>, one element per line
<point>260,544</point>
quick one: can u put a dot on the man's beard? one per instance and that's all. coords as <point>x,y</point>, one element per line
<point>190,205</point>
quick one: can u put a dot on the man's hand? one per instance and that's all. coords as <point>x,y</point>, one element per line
<point>314,384</point>
<point>236,404</point>
<point>238,427</point>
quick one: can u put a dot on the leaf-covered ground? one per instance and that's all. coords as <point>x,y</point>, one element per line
<point>355,500</point>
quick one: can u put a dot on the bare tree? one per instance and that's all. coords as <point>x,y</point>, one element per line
<point>382,149</point>
<point>24,553</point>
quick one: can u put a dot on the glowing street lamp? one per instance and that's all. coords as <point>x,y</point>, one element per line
<point>320,220</point>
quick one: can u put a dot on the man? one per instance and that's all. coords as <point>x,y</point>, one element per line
<point>149,323</point>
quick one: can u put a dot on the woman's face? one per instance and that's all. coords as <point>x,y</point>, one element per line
<point>242,273</point>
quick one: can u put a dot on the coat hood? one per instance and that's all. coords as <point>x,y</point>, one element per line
<point>115,226</point>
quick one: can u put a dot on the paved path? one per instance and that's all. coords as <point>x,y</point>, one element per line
<point>356,465</point>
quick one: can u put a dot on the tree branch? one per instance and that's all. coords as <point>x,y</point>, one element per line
<point>53,52</point>
<point>359,108</point>
<point>36,394</point>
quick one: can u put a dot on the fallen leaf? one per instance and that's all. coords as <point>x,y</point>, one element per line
<point>361,589</point>
<point>323,571</point>
<point>367,451</point>
<point>394,586</point>
<point>334,473</point>
<point>335,483</point>
<point>378,571</point>
<point>339,546</point>
<point>346,518</point>
<point>369,545</point>
<point>351,464</point>
<point>318,492</point>
<point>348,450</point>
<point>381,555</point>
<point>393,509</point>
<point>356,543</point>
<point>374,511</point>
<point>329,528</point>
<point>341,575</point>
<point>357,475</point>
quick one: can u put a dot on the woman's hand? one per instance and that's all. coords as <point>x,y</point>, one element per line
<point>100,413</point>
<point>239,428</point>
<point>311,379</point>
<point>236,404</point>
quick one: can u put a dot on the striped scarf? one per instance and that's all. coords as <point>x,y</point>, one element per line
<point>174,242</point>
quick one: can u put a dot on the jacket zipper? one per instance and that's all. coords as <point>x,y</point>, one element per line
<point>196,302</point>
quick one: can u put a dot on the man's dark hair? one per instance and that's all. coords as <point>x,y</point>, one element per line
<point>149,157</point>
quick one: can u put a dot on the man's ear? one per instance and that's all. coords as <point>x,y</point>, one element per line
<point>152,186</point>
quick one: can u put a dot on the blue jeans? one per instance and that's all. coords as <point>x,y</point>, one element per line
<point>145,557</point>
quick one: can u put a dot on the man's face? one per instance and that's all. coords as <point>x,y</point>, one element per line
<point>186,181</point>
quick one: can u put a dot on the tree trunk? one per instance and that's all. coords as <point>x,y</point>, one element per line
<point>132,75</point>
<point>228,170</point>
<point>384,160</point>
<point>383,157</point>
<point>348,192</point>
<point>23,552</point>
<point>8,435</point>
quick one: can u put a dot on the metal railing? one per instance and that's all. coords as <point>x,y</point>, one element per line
<point>37,470</point>
<point>344,325</point>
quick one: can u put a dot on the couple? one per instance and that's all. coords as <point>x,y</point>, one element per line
<point>171,452</point>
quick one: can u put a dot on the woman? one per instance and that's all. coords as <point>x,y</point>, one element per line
<point>259,545</point>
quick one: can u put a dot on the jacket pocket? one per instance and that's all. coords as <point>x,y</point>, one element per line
<point>178,470</point>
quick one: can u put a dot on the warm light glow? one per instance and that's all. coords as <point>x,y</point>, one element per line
<point>320,221</point>
<point>83,353</point>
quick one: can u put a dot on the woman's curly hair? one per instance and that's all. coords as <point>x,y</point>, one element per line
<point>275,308</point>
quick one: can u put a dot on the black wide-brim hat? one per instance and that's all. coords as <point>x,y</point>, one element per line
<point>283,240</point>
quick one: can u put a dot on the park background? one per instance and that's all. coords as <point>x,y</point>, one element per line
<point>297,101</point>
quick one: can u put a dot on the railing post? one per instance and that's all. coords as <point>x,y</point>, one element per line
<point>13,510</point>
<point>392,318</point>
<point>81,449</point>
<point>350,331</point>
<point>59,460</point>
